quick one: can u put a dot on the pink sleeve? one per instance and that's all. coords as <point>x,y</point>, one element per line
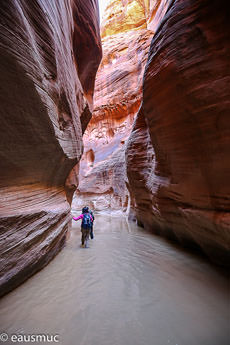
<point>77,218</point>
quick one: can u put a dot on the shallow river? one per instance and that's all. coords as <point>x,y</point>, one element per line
<point>128,288</point>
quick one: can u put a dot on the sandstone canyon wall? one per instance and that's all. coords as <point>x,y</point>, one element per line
<point>178,153</point>
<point>117,99</point>
<point>49,54</point>
<point>118,93</point>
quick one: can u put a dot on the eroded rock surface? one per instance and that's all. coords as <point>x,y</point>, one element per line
<point>118,92</point>
<point>178,153</point>
<point>123,16</point>
<point>49,54</point>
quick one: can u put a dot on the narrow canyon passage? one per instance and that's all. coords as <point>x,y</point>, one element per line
<point>128,288</point>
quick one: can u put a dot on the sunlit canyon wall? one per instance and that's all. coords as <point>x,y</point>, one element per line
<point>49,55</point>
<point>127,30</point>
<point>178,153</point>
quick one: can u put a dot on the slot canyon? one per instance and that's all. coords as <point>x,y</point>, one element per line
<point>176,154</point>
<point>128,114</point>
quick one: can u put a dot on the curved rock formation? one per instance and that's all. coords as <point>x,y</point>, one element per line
<point>47,82</point>
<point>178,152</point>
<point>118,92</point>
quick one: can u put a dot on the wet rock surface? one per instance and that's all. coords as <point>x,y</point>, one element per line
<point>44,96</point>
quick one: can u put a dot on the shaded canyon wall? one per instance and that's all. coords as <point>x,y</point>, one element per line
<point>49,54</point>
<point>118,94</point>
<point>178,153</point>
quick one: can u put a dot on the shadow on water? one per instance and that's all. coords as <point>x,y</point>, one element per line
<point>191,248</point>
<point>129,288</point>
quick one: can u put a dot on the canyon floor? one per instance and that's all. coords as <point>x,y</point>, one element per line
<point>129,288</point>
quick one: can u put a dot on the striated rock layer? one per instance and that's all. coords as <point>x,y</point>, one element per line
<point>178,153</point>
<point>118,92</point>
<point>49,54</point>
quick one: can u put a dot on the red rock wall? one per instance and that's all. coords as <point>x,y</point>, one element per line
<point>46,93</point>
<point>118,92</point>
<point>178,153</point>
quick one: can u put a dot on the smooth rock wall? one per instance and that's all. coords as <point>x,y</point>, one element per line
<point>178,153</point>
<point>118,93</point>
<point>46,91</point>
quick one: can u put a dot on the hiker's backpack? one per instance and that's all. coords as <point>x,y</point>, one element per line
<point>92,214</point>
<point>86,221</point>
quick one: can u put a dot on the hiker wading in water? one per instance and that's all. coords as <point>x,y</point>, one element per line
<point>86,225</point>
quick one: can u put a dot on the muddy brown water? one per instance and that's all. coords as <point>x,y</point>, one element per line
<point>128,288</point>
